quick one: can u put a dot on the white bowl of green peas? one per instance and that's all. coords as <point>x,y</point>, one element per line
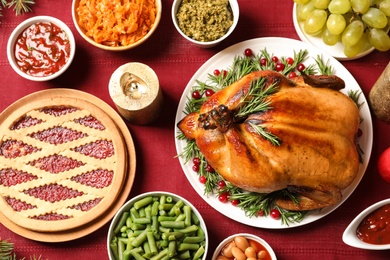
<point>157,225</point>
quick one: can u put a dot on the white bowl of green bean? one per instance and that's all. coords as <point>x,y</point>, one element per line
<point>157,225</point>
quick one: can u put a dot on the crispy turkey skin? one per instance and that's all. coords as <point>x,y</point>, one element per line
<point>317,124</point>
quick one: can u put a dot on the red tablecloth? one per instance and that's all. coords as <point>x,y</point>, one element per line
<point>175,61</point>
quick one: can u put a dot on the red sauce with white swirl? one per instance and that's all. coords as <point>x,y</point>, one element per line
<point>42,49</point>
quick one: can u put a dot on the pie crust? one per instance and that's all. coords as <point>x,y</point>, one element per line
<point>51,160</point>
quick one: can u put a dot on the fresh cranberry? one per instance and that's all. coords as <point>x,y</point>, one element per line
<point>221,184</point>
<point>223,197</point>
<point>196,94</point>
<point>209,168</point>
<point>235,202</point>
<point>279,66</point>
<point>263,61</point>
<point>301,67</point>
<point>209,92</point>
<point>217,72</point>
<point>290,61</point>
<point>202,179</point>
<point>275,59</point>
<point>292,75</point>
<point>195,167</point>
<point>248,52</point>
<point>275,214</point>
<point>196,161</point>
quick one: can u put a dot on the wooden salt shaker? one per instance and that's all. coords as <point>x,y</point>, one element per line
<point>135,90</point>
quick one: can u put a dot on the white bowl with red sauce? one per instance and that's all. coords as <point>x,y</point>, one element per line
<point>363,230</point>
<point>247,244</point>
<point>41,48</point>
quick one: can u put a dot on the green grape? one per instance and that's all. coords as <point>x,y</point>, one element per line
<point>336,23</point>
<point>375,18</point>
<point>352,33</point>
<point>360,6</point>
<point>329,38</point>
<point>321,4</point>
<point>379,39</point>
<point>301,2</point>
<point>354,50</point>
<point>339,6</point>
<point>384,6</point>
<point>315,21</point>
<point>303,11</point>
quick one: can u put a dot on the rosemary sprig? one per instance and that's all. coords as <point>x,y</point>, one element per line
<point>19,6</point>
<point>7,251</point>
<point>267,135</point>
<point>256,99</point>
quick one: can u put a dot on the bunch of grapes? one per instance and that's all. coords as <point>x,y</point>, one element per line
<point>353,22</point>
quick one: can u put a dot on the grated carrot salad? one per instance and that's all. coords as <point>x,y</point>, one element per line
<point>116,22</point>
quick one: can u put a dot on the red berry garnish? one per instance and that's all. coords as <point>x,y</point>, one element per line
<point>292,75</point>
<point>202,179</point>
<point>223,197</point>
<point>196,94</point>
<point>235,202</point>
<point>221,184</point>
<point>196,161</point>
<point>195,167</point>
<point>275,214</point>
<point>224,73</point>
<point>209,92</point>
<point>217,72</point>
<point>301,67</point>
<point>275,59</point>
<point>290,61</point>
<point>263,61</point>
<point>279,66</point>
<point>260,213</point>
<point>248,52</point>
<point>209,168</point>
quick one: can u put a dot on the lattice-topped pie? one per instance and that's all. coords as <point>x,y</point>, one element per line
<point>62,163</point>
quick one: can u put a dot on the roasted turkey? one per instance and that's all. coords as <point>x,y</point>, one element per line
<point>315,123</point>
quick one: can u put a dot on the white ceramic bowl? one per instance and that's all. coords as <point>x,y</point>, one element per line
<point>23,26</point>
<point>129,204</point>
<point>227,240</point>
<point>236,14</point>
<point>349,236</point>
<point>81,31</point>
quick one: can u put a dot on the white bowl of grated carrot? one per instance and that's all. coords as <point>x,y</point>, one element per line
<point>101,26</point>
<point>155,225</point>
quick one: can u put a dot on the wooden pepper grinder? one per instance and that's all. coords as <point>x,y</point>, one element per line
<point>135,90</point>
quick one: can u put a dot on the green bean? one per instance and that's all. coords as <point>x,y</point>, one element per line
<point>199,253</point>
<point>136,226</point>
<point>169,199</point>
<point>140,238</point>
<point>155,205</point>
<point>143,202</point>
<point>193,240</point>
<point>192,228</point>
<point>123,229</point>
<point>184,255</point>
<point>121,249</point>
<point>134,213</point>
<point>114,247</point>
<point>165,206</point>
<point>163,199</point>
<point>142,220</point>
<point>128,221</point>
<point>121,222</point>
<point>172,248</point>
<point>166,218</point>
<point>177,235</point>
<point>173,224</point>
<point>152,242</point>
<point>181,217</point>
<point>160,255</point>
<point>155,224</point>
<point>137,256</point>
<point>187,213</point>
<point>187,246</point>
